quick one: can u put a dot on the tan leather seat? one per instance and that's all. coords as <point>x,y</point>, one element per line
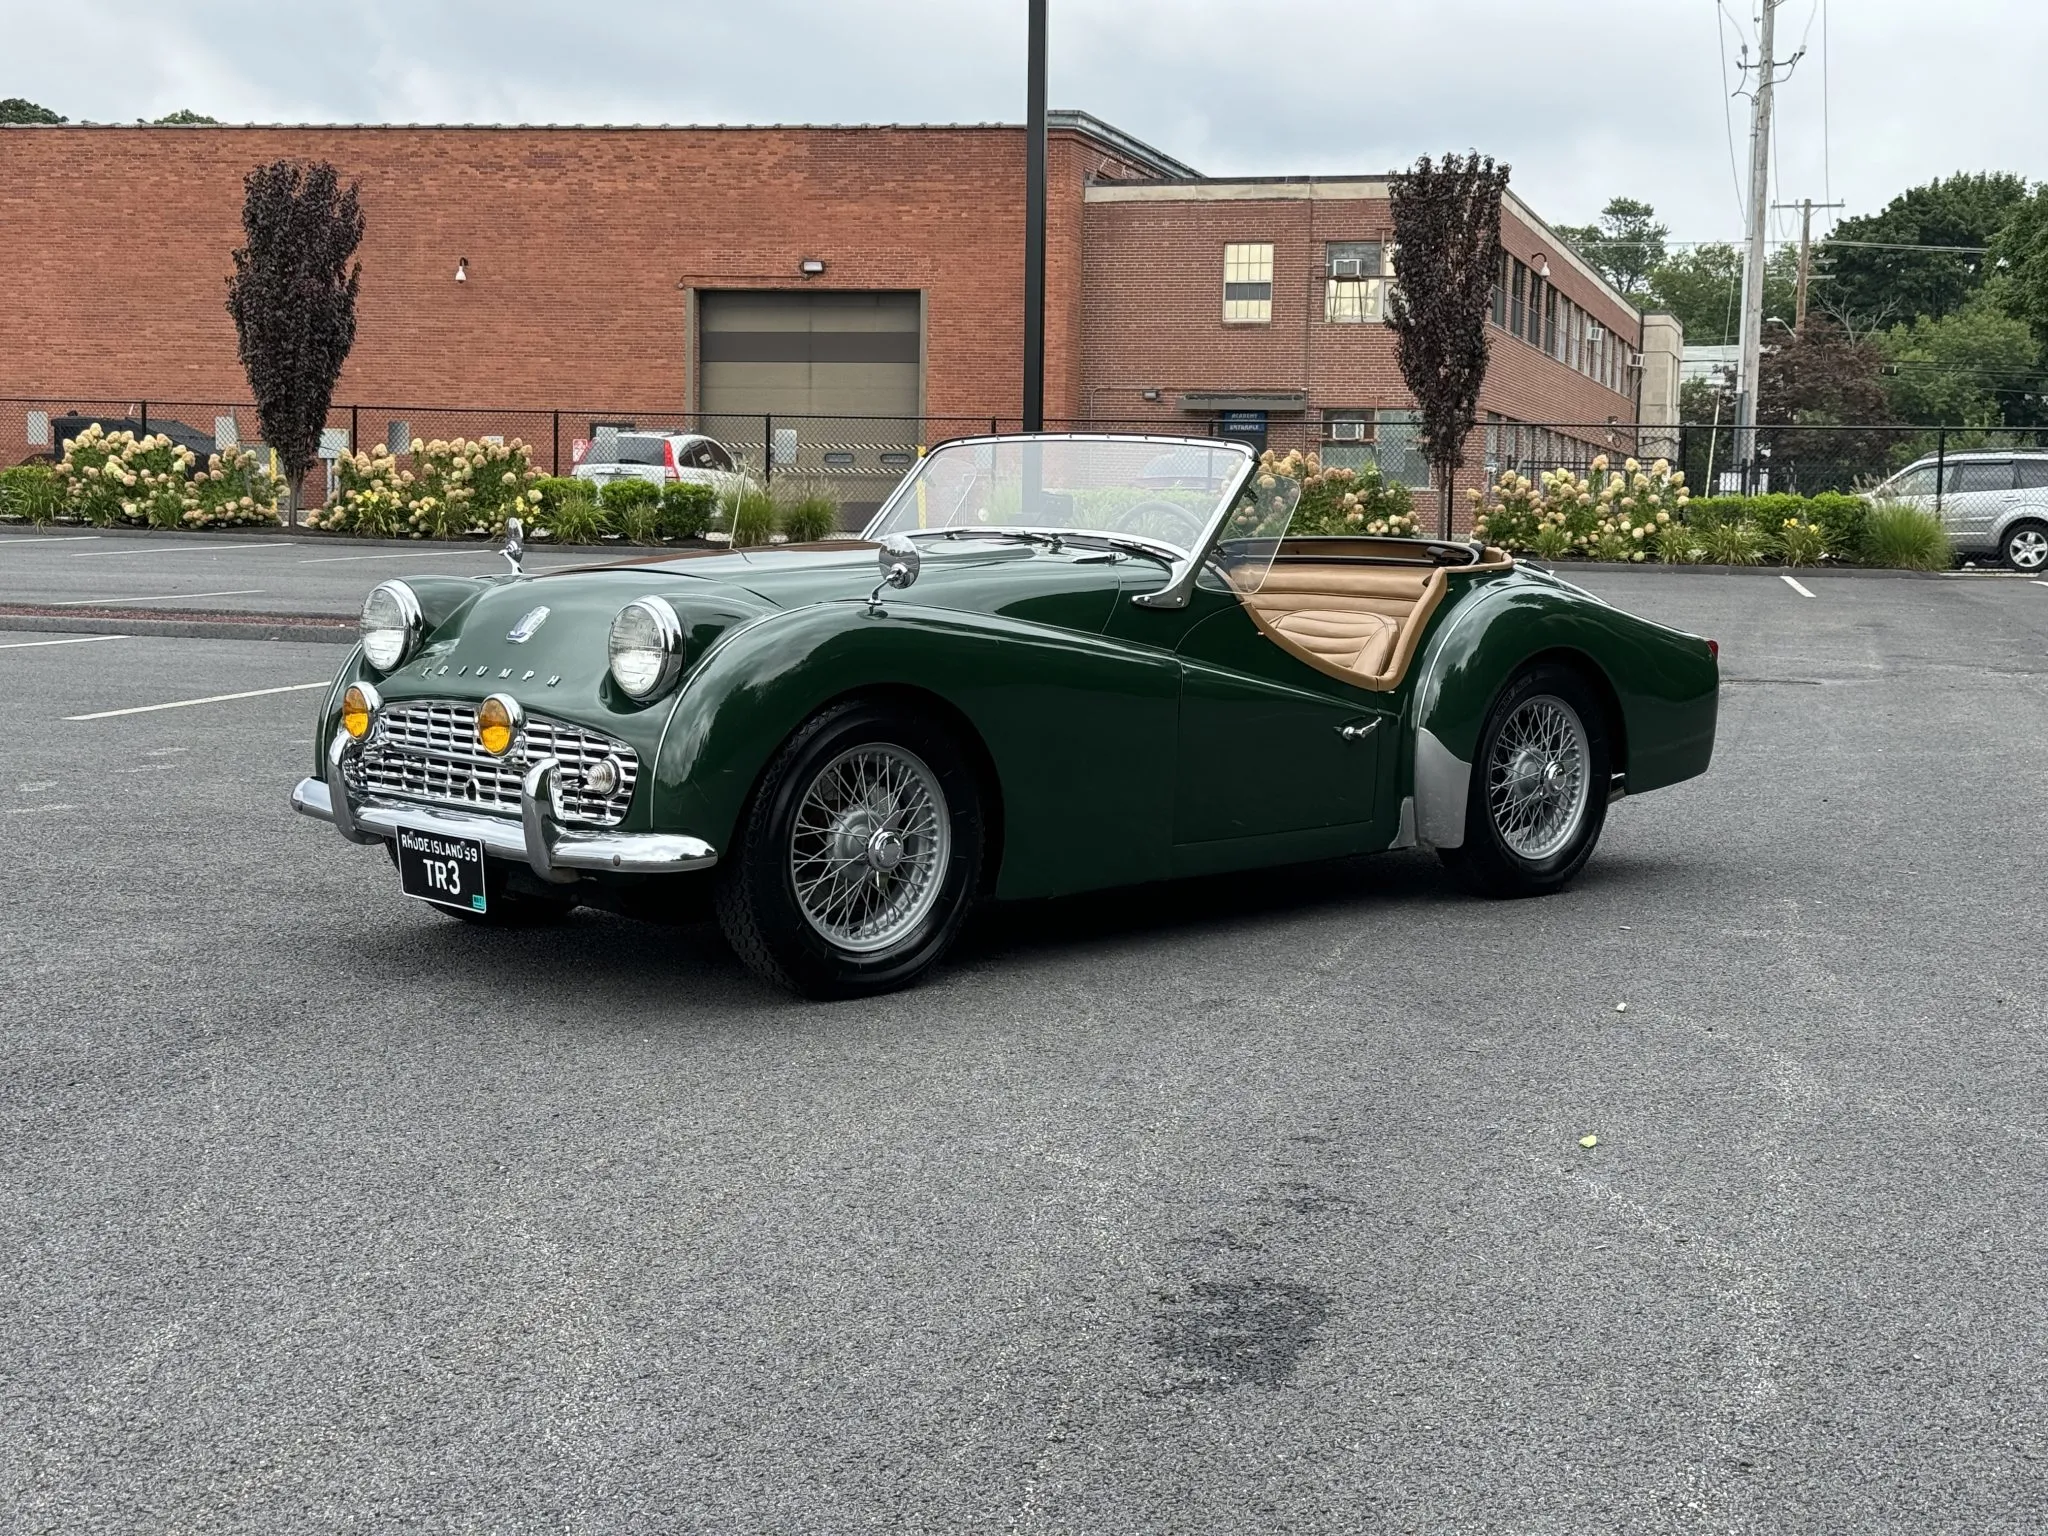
<point>1357,622</point>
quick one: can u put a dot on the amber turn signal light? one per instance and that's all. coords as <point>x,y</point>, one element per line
<point>497,722</point>
<point>357,706</point>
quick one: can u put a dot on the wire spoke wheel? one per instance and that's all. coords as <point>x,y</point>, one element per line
<point>869,847</point>
<point>1538,778</point>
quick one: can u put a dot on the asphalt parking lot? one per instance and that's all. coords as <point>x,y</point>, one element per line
<point>1245,1205</point>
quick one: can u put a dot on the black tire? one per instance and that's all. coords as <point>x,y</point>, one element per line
<point>2025,548</point>
<point>1502,861</point>
<point>759,907</point>
<point>507,909</point>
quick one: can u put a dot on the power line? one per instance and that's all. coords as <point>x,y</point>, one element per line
<point>1727,116</point>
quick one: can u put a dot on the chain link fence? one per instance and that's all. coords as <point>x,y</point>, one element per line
<point>858,459</point>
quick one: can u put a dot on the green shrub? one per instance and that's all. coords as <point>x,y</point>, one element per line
<point>1706,512</point>
<point>1901,537</point>
<point>1677,544</point>
<point>1800,543</point>
<point>568,510</point>
<point>687,509</point>
<point>1553,541</point>
<point>633,508</point>
<point>30,492</point>
<point>1841,518</point>
<point>748,513</point>
<point>806,512</point>
<point>1734,542</point>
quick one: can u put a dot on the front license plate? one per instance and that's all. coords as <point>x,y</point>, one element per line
<point>446,870</point>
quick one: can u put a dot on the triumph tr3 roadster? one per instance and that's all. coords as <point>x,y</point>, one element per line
<point>1053,664</point>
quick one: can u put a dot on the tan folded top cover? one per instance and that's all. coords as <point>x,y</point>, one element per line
<point>1360,623</point>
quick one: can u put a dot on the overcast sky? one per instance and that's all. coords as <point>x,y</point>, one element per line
<point>1586,98</point>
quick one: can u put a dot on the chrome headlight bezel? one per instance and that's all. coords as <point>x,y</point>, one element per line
<point>397,639</point>
<point>658,647</point>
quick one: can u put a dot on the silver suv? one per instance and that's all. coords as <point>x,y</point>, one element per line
<point>1991,502</point>
<point>657,456</point>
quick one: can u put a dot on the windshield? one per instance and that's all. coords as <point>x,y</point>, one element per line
<point>1166,492</point>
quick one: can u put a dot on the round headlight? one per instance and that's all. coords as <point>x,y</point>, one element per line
<point>358,708</point>
<point>391,626</point>
<point>646,647</point>
<point>497,722</point>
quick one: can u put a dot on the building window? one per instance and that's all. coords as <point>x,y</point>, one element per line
<point>1356,289</point>
<point>1519,305</point>
<point>1500,291</point>
<point>1347,439</point>
<point>1247,284</point>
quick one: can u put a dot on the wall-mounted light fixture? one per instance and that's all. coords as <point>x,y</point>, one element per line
<point>1151,394</point>
<point>810,266</point>
<point>1541,263</point>
<point>462,269</point>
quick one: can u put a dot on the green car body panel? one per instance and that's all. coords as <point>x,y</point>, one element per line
<point>1122,743</point>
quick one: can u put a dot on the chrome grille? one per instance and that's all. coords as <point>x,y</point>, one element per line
<point>428,751</point>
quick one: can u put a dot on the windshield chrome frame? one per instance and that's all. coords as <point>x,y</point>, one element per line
<point>1183,568</point>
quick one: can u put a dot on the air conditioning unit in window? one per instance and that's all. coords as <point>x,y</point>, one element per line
<point>1348,266</point>
<point>1594,332</point>
<point>1347,431</point>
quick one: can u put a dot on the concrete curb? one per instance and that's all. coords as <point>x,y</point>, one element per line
<point>1564,568</point>
<point>315,628</point>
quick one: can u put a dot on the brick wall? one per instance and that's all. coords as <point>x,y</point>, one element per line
<point>581,244</point>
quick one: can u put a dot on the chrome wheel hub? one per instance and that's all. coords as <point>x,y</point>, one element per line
<point>869,847</point>
<point>2029,549</point>
<point>1536,781</point>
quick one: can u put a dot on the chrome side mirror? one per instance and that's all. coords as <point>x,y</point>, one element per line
<point>514,547</point>
<point>900,563</point>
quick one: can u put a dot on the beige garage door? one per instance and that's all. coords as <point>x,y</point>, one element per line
<point>808,354</point>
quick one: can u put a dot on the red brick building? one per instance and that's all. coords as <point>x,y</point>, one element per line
<point>793,272</point>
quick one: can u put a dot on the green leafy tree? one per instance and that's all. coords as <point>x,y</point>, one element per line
<point>16,110</point>
<point>1978,367</point>
<point>1446,219</point>
<point>1703,288</point>
<point>2019,254</point>
<point>1624,246</point>
<point>293,299</point>
<point>1869,286</point>
<point>181,116</point>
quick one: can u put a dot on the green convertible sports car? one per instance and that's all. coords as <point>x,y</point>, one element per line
<point>1053,664</point>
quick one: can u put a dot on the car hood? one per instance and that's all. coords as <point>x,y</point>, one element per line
<point>561,653</point>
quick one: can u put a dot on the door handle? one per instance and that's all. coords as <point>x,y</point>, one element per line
<point>1358,730</point>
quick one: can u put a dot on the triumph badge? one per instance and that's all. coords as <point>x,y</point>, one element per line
<point>523,631</point>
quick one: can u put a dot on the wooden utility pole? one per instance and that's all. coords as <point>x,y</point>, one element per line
<point>1805,205</point>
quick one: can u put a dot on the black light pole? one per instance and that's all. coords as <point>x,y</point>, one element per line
<point>1034,222</point>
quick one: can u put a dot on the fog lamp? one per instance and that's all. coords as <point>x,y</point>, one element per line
<point>497,722</point>
<point>602,778</point>
<point>358,708</point>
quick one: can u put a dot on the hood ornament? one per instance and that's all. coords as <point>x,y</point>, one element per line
<point>529,621</point>
<point>514,549</point>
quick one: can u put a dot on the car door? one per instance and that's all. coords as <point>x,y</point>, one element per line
<point>1271,749</point>
<point>2029,496</point>
<point>1973,495</point>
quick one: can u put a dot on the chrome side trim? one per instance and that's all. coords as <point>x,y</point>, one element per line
<point>1404,835</point>
<point>1442,782</point>
<point>631,853</point>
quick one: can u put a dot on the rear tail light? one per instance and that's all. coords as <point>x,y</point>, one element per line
<point>1714,649</point>
<point>668,462</point>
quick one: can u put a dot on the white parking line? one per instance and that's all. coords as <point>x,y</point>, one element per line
<point>53,538</point>
<point>216,698</point>
<point>1795,586</point>
<point>161,597</point>
<point>417,554</point>
<point>2037,581</point>
<point>190,549</point>
<point>23,645</point>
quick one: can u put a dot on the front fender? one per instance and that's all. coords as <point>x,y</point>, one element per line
<point>1079,729</point>
<point>1661,686</point>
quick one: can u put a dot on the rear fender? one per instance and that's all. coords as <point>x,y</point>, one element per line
<point>1660,685</point>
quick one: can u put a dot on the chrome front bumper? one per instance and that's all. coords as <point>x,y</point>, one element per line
<point>554,852</point>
